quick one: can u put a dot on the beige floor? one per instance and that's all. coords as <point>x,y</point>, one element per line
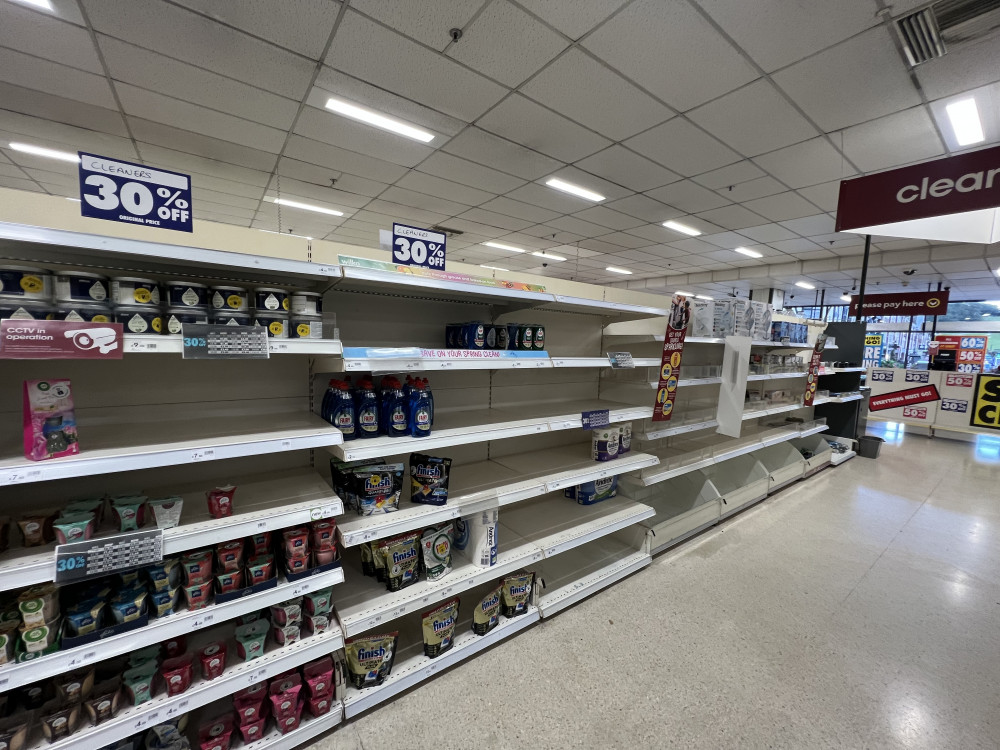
<point>857,609</point>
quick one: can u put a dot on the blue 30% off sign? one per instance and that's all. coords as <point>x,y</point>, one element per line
<point>418,247</point>
<point>116,190</point>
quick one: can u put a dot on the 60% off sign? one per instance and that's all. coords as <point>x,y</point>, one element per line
<point>418,247</point>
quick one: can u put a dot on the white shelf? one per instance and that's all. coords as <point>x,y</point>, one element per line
<point>264,502</point>
<point>835,370</point>
<point>566,303</point>
<point>838,458</point>
<point>772,411</point>
<point>601,362</point>
<point>159,629</point>
<point>238,675</point>
<point>170,344</point>
<point>642,338</point>
<point>308,729</point>
<point>836,399</point>
<point>477,426</point>
<point>777,376</point>
<point>576,574</point>
<point>557,524</point>
<point>490,484</point>
<point>412,360</point>
<point>679,429</point>
<point>128,446</point>
<point>412,667</point>
<point>364,603</point>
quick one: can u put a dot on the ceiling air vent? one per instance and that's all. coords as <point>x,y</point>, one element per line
<point>946,24</point>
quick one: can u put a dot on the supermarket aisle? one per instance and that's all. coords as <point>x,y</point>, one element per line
<point>856,609</point>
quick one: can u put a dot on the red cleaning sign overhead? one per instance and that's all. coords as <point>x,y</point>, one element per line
<point>908,303</point>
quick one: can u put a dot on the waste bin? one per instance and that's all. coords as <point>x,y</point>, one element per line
<point>869,446</point>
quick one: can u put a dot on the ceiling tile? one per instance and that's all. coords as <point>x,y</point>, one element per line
<point>309,192</point>
<point>655,233</point>
<point>960,70</point>
<point>525,122</point>
<point>806,163</point>
<point>193,38</point>
<point>808,226</point>
<point>520,210</point>
<point>778,33</point>
<point>576,176</point>
<point>734,174</point>
<point>624,239</point>
<point>342,160</point>
<point>493,219</point>
<point>328,127</point>
<point>546,197</point>
<point>754,119</point>
<point>427,21</point>
<point>465,172</point>
<point>573,19</point>
<point>578,226</point>
<point>609,218</point>
<point>688,196</point>
<point>453,191</point>
<point>28,31</point>
<point>680,146</point>
<point>553,234</point>
<point>56,79</point>
<point>213,168</point>
<point>365,49</point>
<point>627,168</point>
<point>797,245</point>
<point>194,143</point>
<point>758,188</point>
<point>398,211</point>
<point>900,138</point>
<point>300,25</point>
<point>644,207</point>
<point>635,40</point>
<point>731,217</point>
<point>695,246</point>
<point>826,195</point>
<point>728,240</point>
<point>485,148</point>
<point>422,200</point>
<point>781,207</point>
<point>17,183</point>
<point>36,104</point>
<point>858,80</point>
<point>507,44</point>
<point>321,176</point>
<point>580,87</point>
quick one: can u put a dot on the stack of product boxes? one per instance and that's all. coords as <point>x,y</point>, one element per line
<point>730,317</point>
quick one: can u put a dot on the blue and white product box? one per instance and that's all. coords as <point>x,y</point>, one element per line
<point>605,443</point>
<point>742,317</point>
<point>701,318</point>
<point>589,493</point>
<point>761,320</point>
<point>723,323</point>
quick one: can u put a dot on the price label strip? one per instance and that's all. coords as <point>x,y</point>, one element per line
<point>111,554</point>
<point>203,341</point>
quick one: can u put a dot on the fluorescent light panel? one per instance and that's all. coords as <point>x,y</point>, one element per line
<point>616,269</point>
<point>495,268</point>
<point>501,246</point>
<point>379,121</point>
<point>703,296</point>
<point>305,206</point>
<point>49,153</point>
<point>43,4</point>
<point>682,228</point>
<point>845,297</point>
<point>748,252</point>
<point>548,256</point>
<point>804,285</point>
<point>964,116</point>
<point>684,294</point>
<point>569,187</point>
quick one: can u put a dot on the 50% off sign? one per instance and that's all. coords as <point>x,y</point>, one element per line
<point>418,247</point>
<point>121,191</point>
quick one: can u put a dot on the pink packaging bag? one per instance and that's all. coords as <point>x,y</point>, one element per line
<point>49,421</point>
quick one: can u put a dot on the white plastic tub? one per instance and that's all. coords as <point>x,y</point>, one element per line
<point>740,481</point>
<point>684,505</point>
<point>784,464</point>
<point>821,452</point>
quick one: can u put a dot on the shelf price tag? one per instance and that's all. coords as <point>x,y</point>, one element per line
<point>206,341</point>
<point>110,554</point>
<point>621,360</point>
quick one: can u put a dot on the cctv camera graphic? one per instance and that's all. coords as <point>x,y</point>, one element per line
<point>102,339</point>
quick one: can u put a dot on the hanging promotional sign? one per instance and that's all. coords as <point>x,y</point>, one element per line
<point>116,190</point>
<point>670,361</point>
<point>907,303</point>
<point>412,246</point>
<point>986,406</point>
<point>60,339</point>
<point>970,351</point>
<point>873,350</point>
<point>954,198</point>
<point>812,379</point>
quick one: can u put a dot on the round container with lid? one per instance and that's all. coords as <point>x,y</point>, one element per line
<point>307,303</point>
<point>129,290</point>
<point>81,286</point>
<point>306,326</point>
<point>15,309</point>
<point>275,323</point>
<point>270,298</point>
<point>25,282</point>
<point>178,316</point>
<point>186,294</point>
<point>230,298</point>
<point>224,318</point>
<point>139,318</point>
<point>89,312</point>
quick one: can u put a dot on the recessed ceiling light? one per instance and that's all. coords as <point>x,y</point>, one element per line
<point>501,246</point>
<point>703,296</point>
<point>964,116</point>
<point>569,187</point>
<point>616,269</point>
<point>75,200</point>
<point>495,268</point>
<point>548,256</point>
<point>748,252</point>
<point>804,285</point>
<point>845,297</point>
<point>285,234</point>
<point>46,152</point>
<point>43,4</point>
<point>684,294</point>
<point>682,228</point>
<point>305,206</point>
<point>379,121</point>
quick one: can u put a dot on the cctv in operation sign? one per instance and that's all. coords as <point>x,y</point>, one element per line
<point>59,339</point>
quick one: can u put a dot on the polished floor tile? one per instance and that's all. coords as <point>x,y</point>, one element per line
<point>856,609</point>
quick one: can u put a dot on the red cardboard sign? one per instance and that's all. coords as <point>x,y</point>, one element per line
<point>957,184</point>
<point>905,397</point>
<point>812,379</point>
<point>907,303</point>
<point>670,361</point>
<point>60,339</point>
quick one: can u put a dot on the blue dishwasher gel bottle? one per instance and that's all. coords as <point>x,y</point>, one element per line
<point>367,406</point>
<point>342,411</point>
<point>397,417</point>
<point>430,397</point>
<point>420,411</point>
<point>326,407</point>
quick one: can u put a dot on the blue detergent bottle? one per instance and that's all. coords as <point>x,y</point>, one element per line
<point>342,414</point>
<point>397,417</point>
<point>328,396</point>
<point>430,398</point>
<point>420,411</point>
<point>367,410</point>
